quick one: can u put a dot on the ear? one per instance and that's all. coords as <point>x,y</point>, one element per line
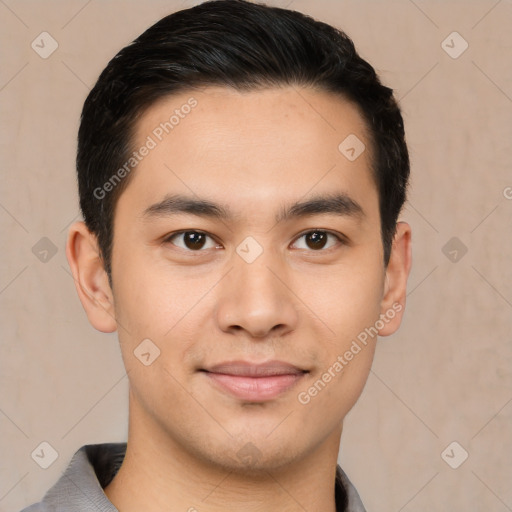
<point>395,288</point>
<point>91,279</point>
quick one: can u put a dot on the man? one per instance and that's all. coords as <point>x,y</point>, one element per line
<point>241,171</point>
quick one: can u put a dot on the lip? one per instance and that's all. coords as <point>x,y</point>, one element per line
<point>254,382</point>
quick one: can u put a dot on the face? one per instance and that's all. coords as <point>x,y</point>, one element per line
<point>248,255</point>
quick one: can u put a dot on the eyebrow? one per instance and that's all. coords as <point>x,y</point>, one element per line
<point>339,204</point>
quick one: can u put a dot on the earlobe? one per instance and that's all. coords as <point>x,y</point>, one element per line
<point>397,272</point>
<point>91,279</point>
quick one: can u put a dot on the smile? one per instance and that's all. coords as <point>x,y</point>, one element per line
<point>254,389</point>
<point>254,382</point>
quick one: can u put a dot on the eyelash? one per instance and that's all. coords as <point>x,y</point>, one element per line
<point>341,240</point>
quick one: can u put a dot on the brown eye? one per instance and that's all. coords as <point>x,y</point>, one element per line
<point>191,240</point>
<point>318,239</point>
<point>194,240</point>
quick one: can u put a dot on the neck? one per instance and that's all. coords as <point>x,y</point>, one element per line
<point>159,474</point>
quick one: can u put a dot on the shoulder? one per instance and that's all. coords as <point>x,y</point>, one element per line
<point>90,470</point>
<point>36,507</point>
<point>353,502</point>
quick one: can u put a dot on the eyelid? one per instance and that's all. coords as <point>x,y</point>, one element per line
<point>342,240</point>
<point>167,238</point>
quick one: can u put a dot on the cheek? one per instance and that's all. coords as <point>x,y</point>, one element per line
<point>150,300</point>
<point>332,394</point>
<point>348,303</point>
<point>348,300</point>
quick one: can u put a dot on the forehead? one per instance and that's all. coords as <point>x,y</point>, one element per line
<point>252,147</point>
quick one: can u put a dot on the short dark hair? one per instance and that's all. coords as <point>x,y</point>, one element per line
<point>245,46</point>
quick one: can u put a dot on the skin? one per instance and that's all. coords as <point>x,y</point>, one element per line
<point>255,153</point>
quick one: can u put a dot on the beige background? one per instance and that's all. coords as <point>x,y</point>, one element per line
<point>445,376</point>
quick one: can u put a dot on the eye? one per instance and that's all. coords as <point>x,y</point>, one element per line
<point>318,239</point>
<point>192,240</point>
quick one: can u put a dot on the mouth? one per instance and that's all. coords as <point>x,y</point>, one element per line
<point>254,382</point>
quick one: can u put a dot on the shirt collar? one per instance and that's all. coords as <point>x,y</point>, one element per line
<point>94,466</point>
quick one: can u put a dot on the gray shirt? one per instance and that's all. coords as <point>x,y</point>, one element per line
<point>92,468</point>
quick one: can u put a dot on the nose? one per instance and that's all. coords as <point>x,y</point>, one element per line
<point>256,298</point>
